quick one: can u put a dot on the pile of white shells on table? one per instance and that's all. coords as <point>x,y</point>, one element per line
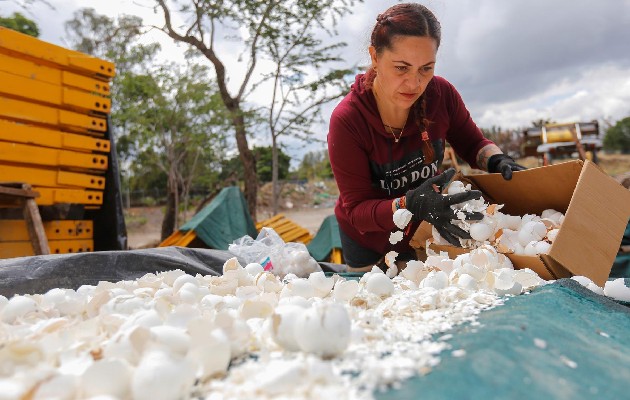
<point>528,235</point>
<point>247,333</point>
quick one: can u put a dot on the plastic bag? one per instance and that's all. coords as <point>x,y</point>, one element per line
<point>276,256</point>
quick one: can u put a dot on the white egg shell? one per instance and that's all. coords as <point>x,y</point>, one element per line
<point>184,279</point>
<point>345,290</point>
<point>254,308</point>
<point>531,231</point>
<point>555,216</point>
<point>456,187</point>
<point>480,231</point>
<point>18,307</point>
<point>415,271</point>
<point>527,278</point>
<point>436,280</point>
<point>396,237</point>
<point>319,324</point>
<point>380,285</point>
<point>57,387</point>
<point>392,271</point>
<point>390,258</point>
<point>504,283</point>
<point>542,247</point>
<point>107,377</point>
<point>321,284</point>
<point>512,222</point>
<point>552,234</point>
<point>300,287</point>
<point>254,269</point>
<point>530,249</point>
<point>283,327</point>
<point>467,282</point>
<point>617,289</point>
<point>231,264</point>
<point>162,376</point>
<point>402,217</point>
<point>173,340</point>
<point>212,355</point>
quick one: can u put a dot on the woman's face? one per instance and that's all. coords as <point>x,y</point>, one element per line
<point>404,71</point>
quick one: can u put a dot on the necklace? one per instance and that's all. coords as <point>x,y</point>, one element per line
<point>388,127</point>
<point>391,130</point>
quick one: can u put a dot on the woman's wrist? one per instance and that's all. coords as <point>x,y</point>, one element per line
<point>398,203</point>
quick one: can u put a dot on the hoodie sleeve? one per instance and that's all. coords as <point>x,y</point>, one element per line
<point>348,143</point>
<point>463,134</point>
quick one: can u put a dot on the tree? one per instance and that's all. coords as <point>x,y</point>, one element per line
<point>618,136</point>
<point>20,23</point>
<point>169,117</point>
<point>232,168</point>
<point>256,25</point>
<point>315,165</point>
<point>297,98</point>
<point>172,115</point>
<point>116,40</point>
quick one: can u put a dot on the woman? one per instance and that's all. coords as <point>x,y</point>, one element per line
<point>386,141</point>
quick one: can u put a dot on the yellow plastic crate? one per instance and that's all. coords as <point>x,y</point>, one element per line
<point>55,76</point>
<point>42,92</point>
<point>25,111</point>
<point>12,230</point>
<point>50,177</point>
<point>25,248</point>
<point>21,45</point>
<point>11,131</point>
<point>52,196</point>
<point>35,155</point>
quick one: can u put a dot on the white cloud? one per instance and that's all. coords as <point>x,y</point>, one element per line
<point>513,61</point>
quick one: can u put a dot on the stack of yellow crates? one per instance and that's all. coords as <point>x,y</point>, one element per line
<point>54,104</point>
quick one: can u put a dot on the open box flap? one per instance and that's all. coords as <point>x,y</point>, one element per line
<point>593,226</point>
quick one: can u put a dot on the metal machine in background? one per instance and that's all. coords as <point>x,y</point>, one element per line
<point>566,140</point>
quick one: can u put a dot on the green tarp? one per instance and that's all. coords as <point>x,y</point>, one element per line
<point>326,239</point>
<point>222,221</point>
<point>562,341</point>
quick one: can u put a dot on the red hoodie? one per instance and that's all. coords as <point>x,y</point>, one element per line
<point>371,169</point>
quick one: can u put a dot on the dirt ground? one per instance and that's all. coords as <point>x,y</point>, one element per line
<point>308,205</point>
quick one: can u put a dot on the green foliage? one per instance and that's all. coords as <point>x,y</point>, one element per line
<point>232,169</point>
<point>168,119</point>
<point>20,23</point>
<point>263,157</point>
<point>117,40</point>
<point>618,136</point>
<point>315,166</point>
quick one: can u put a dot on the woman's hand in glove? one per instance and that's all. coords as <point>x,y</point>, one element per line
<point>504,164</point>
<point>427,203</point>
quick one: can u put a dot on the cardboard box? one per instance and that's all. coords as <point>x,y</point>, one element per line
<point>596,208</point>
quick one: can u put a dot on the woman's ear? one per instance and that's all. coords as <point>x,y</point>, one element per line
<point>372,51</point>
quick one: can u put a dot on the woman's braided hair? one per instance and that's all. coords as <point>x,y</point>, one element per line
<point>406,19</point>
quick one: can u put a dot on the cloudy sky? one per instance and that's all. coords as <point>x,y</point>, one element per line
<point>512,61</point>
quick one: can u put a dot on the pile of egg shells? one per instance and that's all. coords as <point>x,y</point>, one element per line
<point>528,235</point>
<point>248,333</point>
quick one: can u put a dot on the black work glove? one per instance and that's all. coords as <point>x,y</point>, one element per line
<point>504,164</point>
<point>427,203</point>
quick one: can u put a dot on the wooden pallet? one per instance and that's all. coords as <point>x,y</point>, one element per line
<point>288,230</point>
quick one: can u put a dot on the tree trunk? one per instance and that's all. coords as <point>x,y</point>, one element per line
<point>168,224</point>
<point>274,174</point>
<point>249,163</point>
